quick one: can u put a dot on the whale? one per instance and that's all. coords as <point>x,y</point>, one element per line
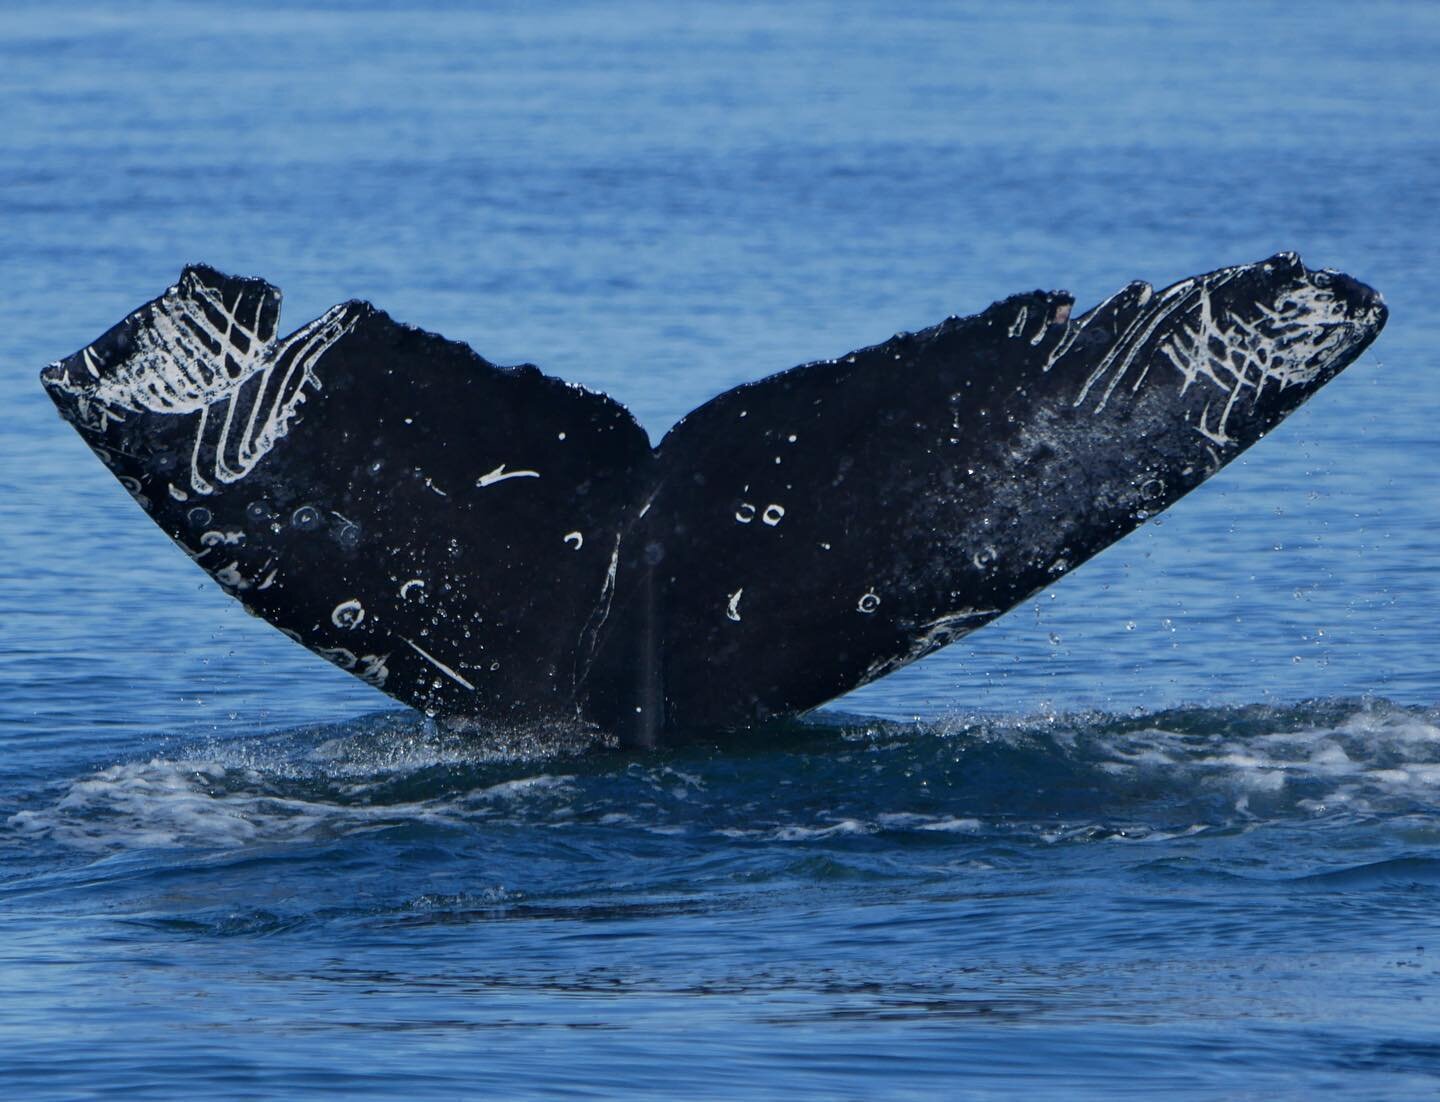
<point>495,545</point>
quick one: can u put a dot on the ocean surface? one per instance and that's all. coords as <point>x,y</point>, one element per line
<point>1172,827</point>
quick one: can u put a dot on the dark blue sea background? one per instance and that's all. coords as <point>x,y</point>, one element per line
<point>1172,827</point>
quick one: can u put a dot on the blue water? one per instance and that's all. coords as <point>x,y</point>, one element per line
<point>1172,827</point>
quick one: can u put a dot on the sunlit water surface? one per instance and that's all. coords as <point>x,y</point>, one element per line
<point>1171,827</point>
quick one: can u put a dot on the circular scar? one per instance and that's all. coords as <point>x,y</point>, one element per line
<point>348,614</point>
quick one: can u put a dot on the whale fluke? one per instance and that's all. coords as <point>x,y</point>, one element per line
<point>493,543</point>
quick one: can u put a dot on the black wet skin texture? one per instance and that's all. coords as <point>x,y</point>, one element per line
<point>493,543</point>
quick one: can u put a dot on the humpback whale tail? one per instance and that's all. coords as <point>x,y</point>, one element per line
<point>491,542</point>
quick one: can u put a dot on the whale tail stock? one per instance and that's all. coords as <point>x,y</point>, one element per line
<point>493,543</point>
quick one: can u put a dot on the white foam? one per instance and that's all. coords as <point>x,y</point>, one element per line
<point>190,803</point>
<point>1371,760</point>
<point>830,830</point>
<point>1175,776</point>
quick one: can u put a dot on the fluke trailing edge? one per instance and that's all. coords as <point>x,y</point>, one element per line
<point>494,543</point>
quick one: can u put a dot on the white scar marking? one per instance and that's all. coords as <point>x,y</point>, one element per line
<point>590,635</point>
<point>500,474</point>
<point>1018,327</point>
<point>373,669</point>
<point>349,531</point>
<point>1289,340</point>
<point>732,610</point>
<point>436,488</point>
<point>439,665</point>
<point>89,358</point>
<point>192,354</point>
<point>944,626</point>
<point>177,493</point>
<point>609,587</point>
<point>413,583</point>
<point>932,636</point>
<point>868,603</point>
<point>773,513</point>
<point>1143,293</point>
<point>575,539</point>
<point>347,614</point>
<point>1060,317</point>
<point>1123,353</point>
<point>746,513</point>
<point>343,658</point>
<point>232,577</point>
<point>1284,345</point>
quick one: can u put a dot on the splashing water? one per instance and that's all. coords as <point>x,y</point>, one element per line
<point>1045,780</point>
